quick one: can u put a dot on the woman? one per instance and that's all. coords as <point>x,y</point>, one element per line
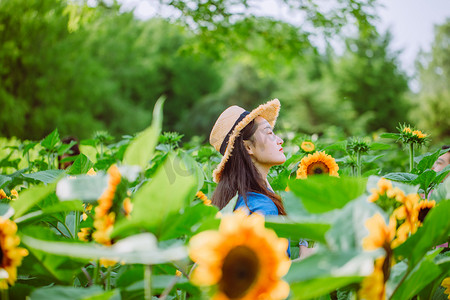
<point>249,147</point>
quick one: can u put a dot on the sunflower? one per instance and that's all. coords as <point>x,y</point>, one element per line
<point>373,286</point>
<point>85,234</point>
<point>204,198</point>
<point>11,255</point>
<point>307,146</point>
<point>103,228</point>
<point>407,212</point>
<point>3,194</point>
<point>243,259</point>
<point>446,285</point>
<point>106,199</point>
<point>380,234</point>
<point>423,208</point>
<point>317,163</point>
<point>127,206</point>
<point>419,134</point>
<point>386,196</point>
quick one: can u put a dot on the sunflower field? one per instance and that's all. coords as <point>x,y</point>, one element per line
<point>132,220</point>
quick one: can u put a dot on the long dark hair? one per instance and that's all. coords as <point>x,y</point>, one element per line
<point>240,175</point>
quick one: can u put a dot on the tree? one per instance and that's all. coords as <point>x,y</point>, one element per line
<point>434,76</point>
<point>368,76</point>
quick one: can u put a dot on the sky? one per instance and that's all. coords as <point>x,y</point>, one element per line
<point>411,22</point>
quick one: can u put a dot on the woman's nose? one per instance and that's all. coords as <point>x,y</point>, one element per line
<point>280,140</point>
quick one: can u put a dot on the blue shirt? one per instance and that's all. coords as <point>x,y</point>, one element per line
<point>259,203</point>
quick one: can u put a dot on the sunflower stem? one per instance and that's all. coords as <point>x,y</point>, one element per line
<point>5,294</point>
<point>96,271</point>
<point>77,223</point>
<point>108,279</point>
<point>148,282</point>
<point>358,163</point>
<point>411,157</point>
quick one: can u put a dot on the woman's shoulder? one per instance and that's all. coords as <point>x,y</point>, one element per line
<point>258,202</point>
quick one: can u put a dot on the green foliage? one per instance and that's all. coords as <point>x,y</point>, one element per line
<point>434,77</point>
<point>365,67</point>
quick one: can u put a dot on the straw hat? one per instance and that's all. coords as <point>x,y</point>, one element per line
<point>229,125</point>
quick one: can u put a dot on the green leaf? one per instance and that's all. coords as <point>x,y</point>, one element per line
<point>141,149</point>
<point>389,135</point>
<point>428,160</point>
<point>137,249</point>
<point>51,210</point>
<point>440,176</point>
<point>434,231</point>
<point>81,165</point>
<point>66,292</point>
<point>323,193</point>
<point>401,177</point>
<point>379,146</point>
<point>229,208</point>
<point>163,195</point>
<point>324,272</point>
<point>405,187</point>
<point>422,274</point>
<point>425,179</point>
<point>294,230</point>
<point>341,146</point>
<point>185,224</point>
<point>47,176</point>
<point>83,187</point>
<point>56,269</point>
<point>28,147</point>
<point>50,141</point>
<point>3,180</point>
<point>348,225</point>
<point>30,197</point>
<point>193,168</point>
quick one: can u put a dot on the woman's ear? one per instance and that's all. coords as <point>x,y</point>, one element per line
<point>249,147</point>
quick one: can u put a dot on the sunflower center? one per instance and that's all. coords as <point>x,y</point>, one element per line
<point>317,168</point>
<point>239,271</point>
<point>423,213</point>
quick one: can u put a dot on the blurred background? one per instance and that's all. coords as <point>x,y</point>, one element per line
<point>342,67</point>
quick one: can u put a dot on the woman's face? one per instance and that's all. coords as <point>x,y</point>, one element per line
<point>264,146</point>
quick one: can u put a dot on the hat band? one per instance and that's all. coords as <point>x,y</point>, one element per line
<point>224,145</point>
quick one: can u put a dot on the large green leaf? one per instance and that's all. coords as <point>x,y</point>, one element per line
<point>82,187</point>
<point>389,135</point>
<point>141,148</point>
<point>348,228</point>
<point>81,165</point>
<point>295,231</point>
<point>47,267</point>
<point>30,197</point>
<point>47,176</point>
<point>379,146</point>
<point>419,277</point>
<point>3,180</point>
<point>400,176</point>
<point>193,168</point>
<point>50,141</point>
<point>435,231</point>
<point>51,210</point>
<point>137,249</point>
<point>322,193</point>
<point>68,292</point>
<point>427,161</point>
<point>324,272</point>
<point>163,195</point>
<point>185,224</point>
<point>425,179</point>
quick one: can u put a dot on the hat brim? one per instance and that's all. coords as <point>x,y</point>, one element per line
<point>268,111</point>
